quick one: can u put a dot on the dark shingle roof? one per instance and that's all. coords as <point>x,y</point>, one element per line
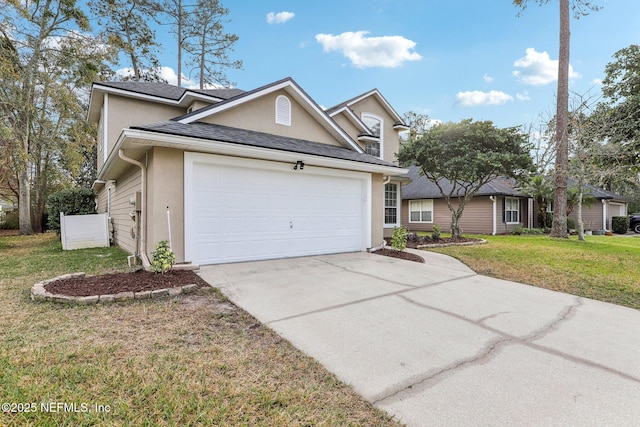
<point>259,139</point>
<point>167,91</point>
<point>421,188</point>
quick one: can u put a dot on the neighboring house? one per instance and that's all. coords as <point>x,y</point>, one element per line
<point>497,208</point>
<point>597,214</point>
<point>243,175</point>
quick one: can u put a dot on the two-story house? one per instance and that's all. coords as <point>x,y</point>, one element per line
<point>229,175</point>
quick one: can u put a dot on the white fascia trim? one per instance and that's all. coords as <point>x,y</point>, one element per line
<point>105,127</point>
<point>368,138</point>
<point>144,138</point>
<point>382,100</point>
<point>352,117</point>
<point>158,99</point>
<point>287,84</point>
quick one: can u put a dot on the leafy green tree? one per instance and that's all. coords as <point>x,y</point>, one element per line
<point>208,45</point>
<point>30,35</point>
<point>580,8</point>
<point>466,155</point>
<point>128,31</point>
<point>618,114</point>
<point>541,190</point>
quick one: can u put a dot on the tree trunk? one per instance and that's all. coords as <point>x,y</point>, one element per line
<point>559,226</point>
<point>24,201</point>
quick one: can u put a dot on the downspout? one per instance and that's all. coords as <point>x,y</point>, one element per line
<point>604,214</point>
<point>143,208</point>
<point>495,207</point>
<point>386,179</point>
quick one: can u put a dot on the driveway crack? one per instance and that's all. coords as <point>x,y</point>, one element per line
<point>431,378</point>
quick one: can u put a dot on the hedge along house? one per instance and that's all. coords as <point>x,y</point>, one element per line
<point>497,208</point>
<point>231,175</point>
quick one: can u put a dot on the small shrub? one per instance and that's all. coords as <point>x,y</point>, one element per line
<point>435,232</point>
<point>620,224</point>
<point>399,238</point>
<point>520,231</point>
<point>73,201</point>
<point>163,258</point>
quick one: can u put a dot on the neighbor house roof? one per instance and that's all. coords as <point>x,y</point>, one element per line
<point>239,136</point>
<point>602,194</point>
<point>421,188</point>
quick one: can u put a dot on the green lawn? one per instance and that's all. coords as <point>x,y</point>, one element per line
<point>191,360</point>
<point>605,268</point>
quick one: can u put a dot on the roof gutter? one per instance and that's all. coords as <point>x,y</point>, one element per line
<point>136,138</point>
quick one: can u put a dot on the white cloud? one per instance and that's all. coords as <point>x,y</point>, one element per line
<point>537,68</point>
<point>477,98</point>
<point>523,96</point>
<point>487,78</point>
<point>280,17</point>
<point>596,82</point>
<point>363,52</point>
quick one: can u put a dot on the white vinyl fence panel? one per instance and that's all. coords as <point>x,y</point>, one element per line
<point>84,231</point>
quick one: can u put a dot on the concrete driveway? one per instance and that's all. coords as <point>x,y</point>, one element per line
<point>437,344</point>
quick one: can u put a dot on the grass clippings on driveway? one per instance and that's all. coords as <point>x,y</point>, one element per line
<point>190,360</point>
<point>606,268</point>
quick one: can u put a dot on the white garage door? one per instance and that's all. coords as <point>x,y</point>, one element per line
<point>241,210</point>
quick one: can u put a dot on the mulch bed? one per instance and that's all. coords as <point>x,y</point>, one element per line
<point>399,254</point>
<point>114,283</point>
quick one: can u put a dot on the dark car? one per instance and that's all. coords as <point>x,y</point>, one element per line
<point>634,224</point>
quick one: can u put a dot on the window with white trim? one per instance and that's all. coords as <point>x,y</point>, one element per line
<point>375,125</point>
<point>283,110</point>
<point>391,204</point>
<point>511,210</point>
<point>421,210</point>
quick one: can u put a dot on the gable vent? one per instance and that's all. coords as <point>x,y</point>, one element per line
<point>283,110</point>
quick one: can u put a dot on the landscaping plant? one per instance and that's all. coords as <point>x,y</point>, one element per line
<point>163,258</point>
<point>399,238</point>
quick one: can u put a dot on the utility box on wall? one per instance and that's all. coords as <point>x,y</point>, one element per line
<point>84,231</point>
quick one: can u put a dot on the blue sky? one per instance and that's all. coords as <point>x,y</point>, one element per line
<point>449,59</point>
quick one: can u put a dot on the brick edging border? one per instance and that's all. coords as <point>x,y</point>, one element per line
<point>39,293</point>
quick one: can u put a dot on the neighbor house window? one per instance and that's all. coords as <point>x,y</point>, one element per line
<point>374,123</point>
<point>283,110</point>
<point>421,210</point>
<point>391,204</point>
<point>511,210</point>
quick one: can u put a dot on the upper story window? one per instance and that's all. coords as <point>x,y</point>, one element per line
<point>375,125</point>
<point>283,110</point>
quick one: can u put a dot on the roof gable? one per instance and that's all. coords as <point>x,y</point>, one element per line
<point>162,93</point>
<point>291,88</point>
<point>374,93</point>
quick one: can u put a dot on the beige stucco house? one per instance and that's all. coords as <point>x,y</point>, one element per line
<point>229,175</point>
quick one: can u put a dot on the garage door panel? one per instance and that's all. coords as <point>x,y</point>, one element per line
<point>238,210</point>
